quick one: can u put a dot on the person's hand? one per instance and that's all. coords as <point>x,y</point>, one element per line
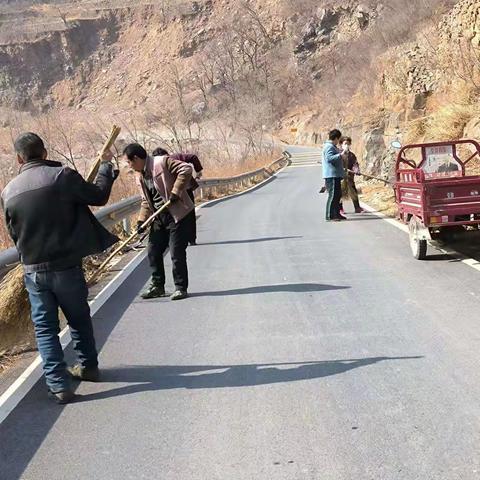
<point>107,156</point>
<point>174,198</point>
<point>139,228</point>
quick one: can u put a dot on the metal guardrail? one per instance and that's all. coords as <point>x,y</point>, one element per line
<point>214,186</point>
<point>116,213</point>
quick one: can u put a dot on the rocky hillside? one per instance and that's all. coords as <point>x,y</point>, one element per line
<point>233,70</point>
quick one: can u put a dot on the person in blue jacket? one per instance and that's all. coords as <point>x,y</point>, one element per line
<point>333,173</point>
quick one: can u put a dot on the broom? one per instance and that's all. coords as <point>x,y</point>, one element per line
<point>144,226</point>
<point>386,182</point>
<point>14,303</point>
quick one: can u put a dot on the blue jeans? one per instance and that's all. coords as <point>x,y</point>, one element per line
<point>68,290</point>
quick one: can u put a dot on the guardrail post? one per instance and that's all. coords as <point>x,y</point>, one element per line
<point>127,225</point>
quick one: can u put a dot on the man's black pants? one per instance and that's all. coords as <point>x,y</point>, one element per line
<point>334,188</point>
<point>163,234</point>
<point>192,219</point>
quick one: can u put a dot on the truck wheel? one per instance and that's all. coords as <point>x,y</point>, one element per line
<point>418,246</point>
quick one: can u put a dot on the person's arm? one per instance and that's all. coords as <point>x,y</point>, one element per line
<point>333,157</point>
<point>145,210</point>
<point>85,193</point>
<point>353,162</point>
<point>197,165</point>
<point>183,172</point>
<point>8,224</point>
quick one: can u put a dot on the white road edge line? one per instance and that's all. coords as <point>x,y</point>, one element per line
<point>30,376</point>
<point>471,262</point>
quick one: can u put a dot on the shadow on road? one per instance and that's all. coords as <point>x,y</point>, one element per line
<point>441,257</point>
<point>146,378</point>
<point>251,240</point>
<point>363,218</point>
<point>289,287</point>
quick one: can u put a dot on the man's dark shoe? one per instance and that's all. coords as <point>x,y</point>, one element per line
<point>61,398</point>
<point>87,374</point>
<point>179,295</point>
<point>341,217</point>
<point>153,291</point>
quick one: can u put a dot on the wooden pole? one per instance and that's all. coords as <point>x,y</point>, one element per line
<point>107,146</point>
<point>386,182</point>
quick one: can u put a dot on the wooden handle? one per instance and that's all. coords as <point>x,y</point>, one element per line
<point>108,145</point>
<point>370,176</point>
<point>145,225</point>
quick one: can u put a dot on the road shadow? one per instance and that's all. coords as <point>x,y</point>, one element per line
<point>27,426</point>
<point>441,257</point>
<point>145,378</point>
<point>362,219</point>
<point>251,240</point>
<point>283,288</point>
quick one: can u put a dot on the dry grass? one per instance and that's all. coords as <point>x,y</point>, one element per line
<point>448,122</point>
<point>379,196</point>
<point>15,325</point>
<point>237,168</point>
<point>415,130</point>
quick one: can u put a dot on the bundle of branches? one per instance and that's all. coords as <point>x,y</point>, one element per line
<point>15,325</point>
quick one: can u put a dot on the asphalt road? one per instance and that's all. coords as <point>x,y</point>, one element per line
<point>307,351</point>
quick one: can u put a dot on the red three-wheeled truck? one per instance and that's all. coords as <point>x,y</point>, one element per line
<point>433,192</point>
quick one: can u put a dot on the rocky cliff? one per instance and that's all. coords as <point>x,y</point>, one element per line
<point>240,68</point>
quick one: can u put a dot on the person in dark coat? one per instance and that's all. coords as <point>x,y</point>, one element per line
<point>47,216</point>
<point>193,160</point>
<point>353,168</point>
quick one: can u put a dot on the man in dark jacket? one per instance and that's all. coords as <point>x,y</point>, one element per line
<point>194,161</point>
<point>163,179</point>
<point>47,216</point>
<point>353,168</point>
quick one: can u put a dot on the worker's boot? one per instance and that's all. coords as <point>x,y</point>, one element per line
<point>61,398</point>
<point>153,291</point>
<point>179,295</point>
<point>358,208</point>
<point>87,374</point>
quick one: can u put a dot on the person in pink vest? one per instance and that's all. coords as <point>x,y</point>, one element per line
<point>160,179</point>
